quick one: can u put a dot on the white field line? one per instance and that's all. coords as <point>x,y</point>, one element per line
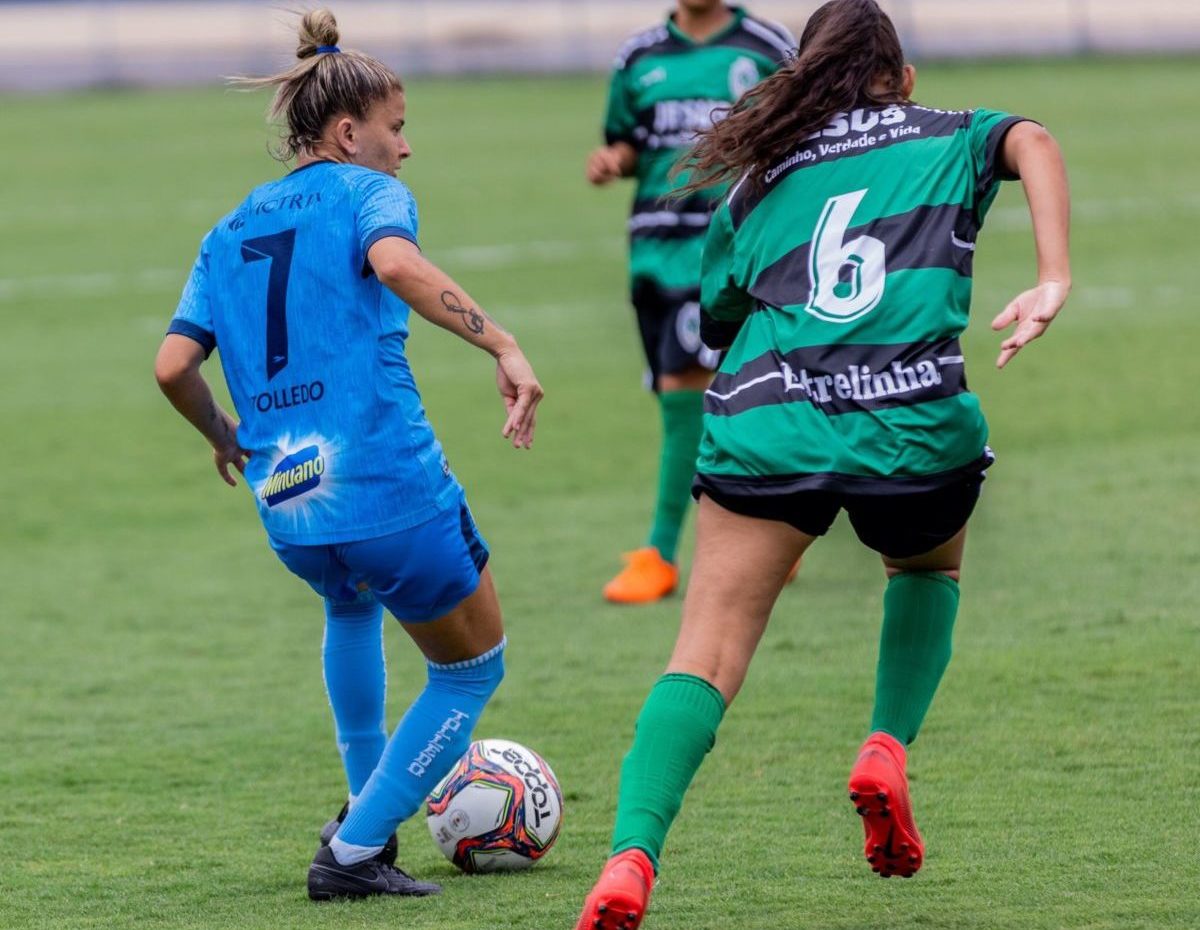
<point>211,209</point>
<point>1010,219</point>
<point>454,259</point>
<point>500,256</point>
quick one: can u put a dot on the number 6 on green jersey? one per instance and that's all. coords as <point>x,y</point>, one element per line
<point>834,299</point>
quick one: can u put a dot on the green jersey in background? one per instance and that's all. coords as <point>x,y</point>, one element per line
<point>665,87</point>
<point>849,271</point>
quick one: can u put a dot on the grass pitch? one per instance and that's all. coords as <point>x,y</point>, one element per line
<point>167,747</point>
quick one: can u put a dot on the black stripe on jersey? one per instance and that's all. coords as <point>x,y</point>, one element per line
<point>770,40</point>
<point>668,218</point>
<point>927,237</point>
<point>656,41</point>
<point>749,42</point>
<point>692,203</point>
<point>668,229</point>
<point>850,134</point>
<point>639,44</point>
<point>773,36</point>
<point>829,481</point>
<point>842,378</point>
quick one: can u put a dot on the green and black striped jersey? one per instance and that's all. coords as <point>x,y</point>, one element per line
<point>849,271</point>
<point>665,87</point>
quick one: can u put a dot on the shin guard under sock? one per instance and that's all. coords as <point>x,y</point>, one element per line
<point>356,682</point>
<point>431,737</point>
<point>682,418</point>
<point>914,650</point>
<point>675,730</point>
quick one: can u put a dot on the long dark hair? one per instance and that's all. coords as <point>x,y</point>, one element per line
<point>849,56</point>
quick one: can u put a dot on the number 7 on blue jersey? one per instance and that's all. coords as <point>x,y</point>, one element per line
<point>277,249</point>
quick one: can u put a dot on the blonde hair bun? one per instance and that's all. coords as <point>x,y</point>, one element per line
<point>317,28</point>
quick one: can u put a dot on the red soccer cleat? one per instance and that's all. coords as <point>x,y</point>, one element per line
<point>619,899</point>
<point>879,793</point>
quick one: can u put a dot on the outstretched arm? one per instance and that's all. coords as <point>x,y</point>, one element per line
<point>177,369</point>
<point>1031,153</point>
<point>434,295</point>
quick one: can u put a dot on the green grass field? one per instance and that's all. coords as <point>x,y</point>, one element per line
<point>167,752</point>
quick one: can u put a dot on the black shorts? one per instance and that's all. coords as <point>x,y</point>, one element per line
<point>669,324</point>
<point>898,526</point>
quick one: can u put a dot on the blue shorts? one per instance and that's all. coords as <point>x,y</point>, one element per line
<point>418,574</point>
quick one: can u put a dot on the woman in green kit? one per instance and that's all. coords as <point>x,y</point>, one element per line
<point>838,273</point>
<point>666,84</point>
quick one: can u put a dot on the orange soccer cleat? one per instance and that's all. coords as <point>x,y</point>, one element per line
<point>879,793</point>
<point>619,898</point>
<point>646,577</point>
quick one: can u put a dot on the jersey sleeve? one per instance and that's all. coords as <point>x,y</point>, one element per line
<point>619,117</point>
<point>722,300</point>
<point>386,208</point>
<point>193,317</point>
<point>985,137</point>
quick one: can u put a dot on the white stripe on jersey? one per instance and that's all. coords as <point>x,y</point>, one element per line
<point>642,39</point>
<point>773,34</point>
<point>667,218</point>
<point>734,189</point>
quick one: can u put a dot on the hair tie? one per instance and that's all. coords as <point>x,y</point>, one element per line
<point>328,49</point>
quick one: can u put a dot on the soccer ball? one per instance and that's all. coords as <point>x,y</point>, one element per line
<point>499,808</point>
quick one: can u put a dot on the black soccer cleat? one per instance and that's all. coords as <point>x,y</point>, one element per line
<point>387,856</point>
<point>329,879</point>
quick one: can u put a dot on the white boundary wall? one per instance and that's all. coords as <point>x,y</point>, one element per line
<point>91,42</point>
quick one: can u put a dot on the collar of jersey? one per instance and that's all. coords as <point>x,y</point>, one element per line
<point>739,14</point>
<point>312,164</point>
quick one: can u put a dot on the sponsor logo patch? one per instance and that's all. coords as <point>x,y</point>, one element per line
<point>296,474</point>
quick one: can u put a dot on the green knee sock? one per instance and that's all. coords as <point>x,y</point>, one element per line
<point>914,650</point>
<point>675,730</point>
<point>682,416</point>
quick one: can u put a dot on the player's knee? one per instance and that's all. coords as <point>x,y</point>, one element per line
<point>950,571</point>
<point>690,379</point>
<point>364,608</point>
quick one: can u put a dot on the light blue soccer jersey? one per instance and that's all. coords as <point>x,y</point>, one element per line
<point>312,346</point>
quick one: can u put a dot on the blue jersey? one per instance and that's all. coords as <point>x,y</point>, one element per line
<point>312,346</point>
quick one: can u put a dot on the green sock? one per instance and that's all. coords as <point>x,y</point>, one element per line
<point>675,730</point>
<point>682,413</point>
<point>914,650</point>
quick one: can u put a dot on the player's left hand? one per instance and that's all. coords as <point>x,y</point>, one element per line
<point>521,393</point>
<point>1033,311</point>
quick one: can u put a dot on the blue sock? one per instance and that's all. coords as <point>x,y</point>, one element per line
<point>356,681</point>
<point>430,739</point>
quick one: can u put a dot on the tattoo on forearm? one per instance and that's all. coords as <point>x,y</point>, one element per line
<point>473,319</point>
<point>218,421</point>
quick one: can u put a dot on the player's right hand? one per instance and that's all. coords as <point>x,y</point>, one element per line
<point>521,393</point>
<point>1033,311</point>
<point>603,166</point>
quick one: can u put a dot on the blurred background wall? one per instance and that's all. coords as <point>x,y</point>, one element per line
<point>78,43</point>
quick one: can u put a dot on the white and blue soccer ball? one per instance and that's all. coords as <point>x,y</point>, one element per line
<point>499,808</point>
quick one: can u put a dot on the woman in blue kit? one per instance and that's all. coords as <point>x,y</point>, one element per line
<point>306,289</point>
